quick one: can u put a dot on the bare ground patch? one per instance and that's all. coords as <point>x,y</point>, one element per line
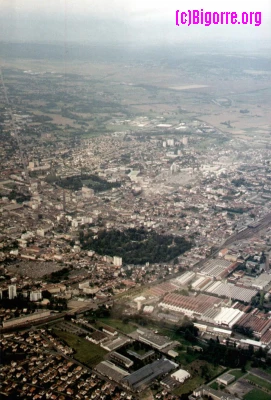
<point>35,269</point>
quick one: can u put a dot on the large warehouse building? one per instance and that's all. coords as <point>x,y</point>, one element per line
<point>229,290</point>
<point>145,375</point>
<point>226,316</point>
<point>110,370</point>
<point>188,305</point>
<point>259,323</point>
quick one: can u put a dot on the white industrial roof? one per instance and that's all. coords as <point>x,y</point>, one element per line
<point>228,316</point>
<point>198,281</point>
<point>252,342</point>
<point>140,298</point>
<point>180,375</point>
<point>262,281</point>
<point>230,290</point>
<point>185,278</point>
<point>148,309</point>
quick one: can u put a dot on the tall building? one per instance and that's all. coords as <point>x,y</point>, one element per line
<point>12,292</point>
<point>267,262</point>
<point>117,261</point>
<point>35,295</point>
<point>171,142</point>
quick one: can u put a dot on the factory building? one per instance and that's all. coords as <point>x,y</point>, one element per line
<point>139,379</point>
<point>157,341</point>
<point>225,316</point>
<point>188,305</point>
<point>110,370</point>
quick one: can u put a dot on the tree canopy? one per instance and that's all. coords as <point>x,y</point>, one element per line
<point>135,246</point>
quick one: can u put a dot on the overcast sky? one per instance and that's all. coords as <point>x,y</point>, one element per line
<point>120,21</point>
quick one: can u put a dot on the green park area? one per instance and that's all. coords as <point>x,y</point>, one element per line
<point>135,246</point>
<point>201,371</point>
<point>215,386</point>
<point>257,394</point>
<point>259,381</point>
<point>86,352</point>
<point>237,373</point>
<point>190,385</point>
<point>117,324</point>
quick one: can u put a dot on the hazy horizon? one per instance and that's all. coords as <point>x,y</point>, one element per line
<point>119,22</point>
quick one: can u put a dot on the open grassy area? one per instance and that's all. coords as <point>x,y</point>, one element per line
<point>195,369</point>
<point>86,352</point>
<point>117,324</point>
<point>256,394</point>
<point>259,381</point>
<point>217,386</point>
<point>185,358</point>
<point>237,373</point>
<point>214,385</point>
<point>189,386</point>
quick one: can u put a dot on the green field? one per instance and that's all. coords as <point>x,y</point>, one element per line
<point>259,381</point>
<point>256,394</point>
<point>117,324</point>
<point>214,385</point>
<point>195,370</point>
<point>188,386</point>
<point>86,352</point>
<point>237,373</point>
<point>185,358</point>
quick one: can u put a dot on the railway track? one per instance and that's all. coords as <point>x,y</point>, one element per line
<point>249,232</point>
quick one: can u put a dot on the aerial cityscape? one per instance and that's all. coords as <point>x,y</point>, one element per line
<point>135,221</point>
